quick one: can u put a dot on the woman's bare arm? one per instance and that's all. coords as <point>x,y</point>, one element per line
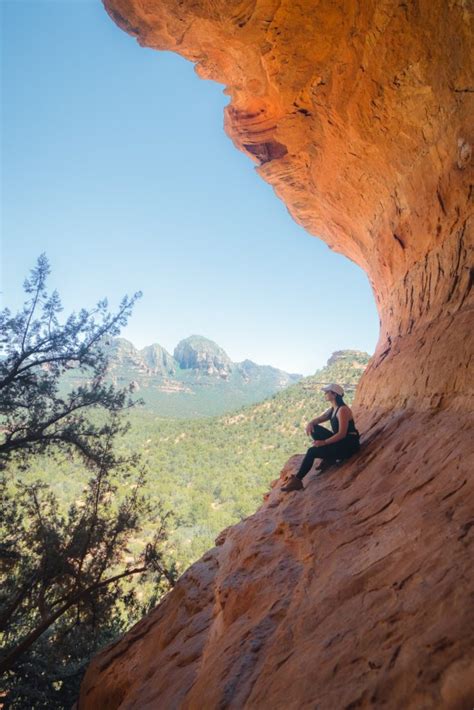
<point>318,420</point>
<point>323,417</point>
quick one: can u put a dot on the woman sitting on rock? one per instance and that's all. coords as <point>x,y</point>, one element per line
<point>341,444</point>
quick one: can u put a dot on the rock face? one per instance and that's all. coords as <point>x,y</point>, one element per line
<point>358,592</point>
<point>200,353</point>
<point>124,357</point>
<point>158,360</point>
<point>357,356</point>
<point>358,115</point>
<point>123,354</point>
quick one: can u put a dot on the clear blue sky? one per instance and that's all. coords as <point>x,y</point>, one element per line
<point>115,163</point>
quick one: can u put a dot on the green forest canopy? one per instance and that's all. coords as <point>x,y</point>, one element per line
<point>212,472</point>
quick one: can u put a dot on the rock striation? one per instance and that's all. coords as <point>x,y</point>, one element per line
<point>358,592</point>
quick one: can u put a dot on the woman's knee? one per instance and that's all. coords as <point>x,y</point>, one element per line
<point>320,432</point>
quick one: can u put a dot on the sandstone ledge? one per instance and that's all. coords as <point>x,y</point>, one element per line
<point>356,592</point>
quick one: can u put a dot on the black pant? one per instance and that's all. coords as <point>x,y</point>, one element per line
<point>340,450</point>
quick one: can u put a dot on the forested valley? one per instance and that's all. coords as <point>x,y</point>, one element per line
<point>212,472</point>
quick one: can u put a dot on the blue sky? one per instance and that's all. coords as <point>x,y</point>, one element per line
<point>115,163</point>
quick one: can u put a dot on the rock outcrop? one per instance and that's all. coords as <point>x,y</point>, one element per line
<point>158,360</point>
<point>357,592</point>
<point>203,354</point>
<point>200,380</point>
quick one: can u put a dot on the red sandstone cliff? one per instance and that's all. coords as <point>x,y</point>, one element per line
<point>359,591</point>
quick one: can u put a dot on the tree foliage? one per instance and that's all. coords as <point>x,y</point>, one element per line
<point>66,570</point>
<point>35,350</point>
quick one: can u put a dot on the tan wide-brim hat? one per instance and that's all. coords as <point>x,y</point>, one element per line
<point>337,389</point>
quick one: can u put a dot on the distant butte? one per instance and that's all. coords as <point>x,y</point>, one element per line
<point>357,592</point>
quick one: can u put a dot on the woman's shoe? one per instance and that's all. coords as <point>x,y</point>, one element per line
<point>293,484</point>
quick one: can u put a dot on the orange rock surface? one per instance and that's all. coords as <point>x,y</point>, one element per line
<point>357,592</point>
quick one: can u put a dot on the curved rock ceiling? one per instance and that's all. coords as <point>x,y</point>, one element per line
<point>357,113</point>
<point>357,593</point>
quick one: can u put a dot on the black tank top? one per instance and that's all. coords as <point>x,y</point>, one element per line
<point>335,424</point>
